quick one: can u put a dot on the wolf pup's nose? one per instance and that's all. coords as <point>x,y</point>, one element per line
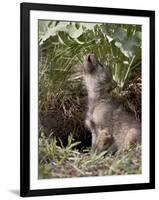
<point>90,63</point>
<point>91,58</point>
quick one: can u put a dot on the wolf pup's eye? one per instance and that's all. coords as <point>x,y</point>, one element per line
<point>101,65</point>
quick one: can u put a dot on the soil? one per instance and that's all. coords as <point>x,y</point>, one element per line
<point>55,122</point>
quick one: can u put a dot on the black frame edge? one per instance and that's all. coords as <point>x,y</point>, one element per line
<point>152,98</point>
<point>93,189</point>
<point>86,9</point>
<point>24,102</point>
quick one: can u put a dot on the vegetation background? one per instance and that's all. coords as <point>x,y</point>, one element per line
<point>64,143</point>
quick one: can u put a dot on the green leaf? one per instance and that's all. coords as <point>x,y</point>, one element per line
<point>64,38</point>
<point>56,23</point>
<point>77,25</point>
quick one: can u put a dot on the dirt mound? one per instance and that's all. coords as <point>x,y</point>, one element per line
<point>61,122</point>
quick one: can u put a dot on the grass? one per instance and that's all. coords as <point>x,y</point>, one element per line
<point>59,161</point>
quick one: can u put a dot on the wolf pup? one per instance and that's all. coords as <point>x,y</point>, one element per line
<point>112,128</point>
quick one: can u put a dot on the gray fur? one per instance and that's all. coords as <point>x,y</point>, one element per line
<point>111,126</point>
